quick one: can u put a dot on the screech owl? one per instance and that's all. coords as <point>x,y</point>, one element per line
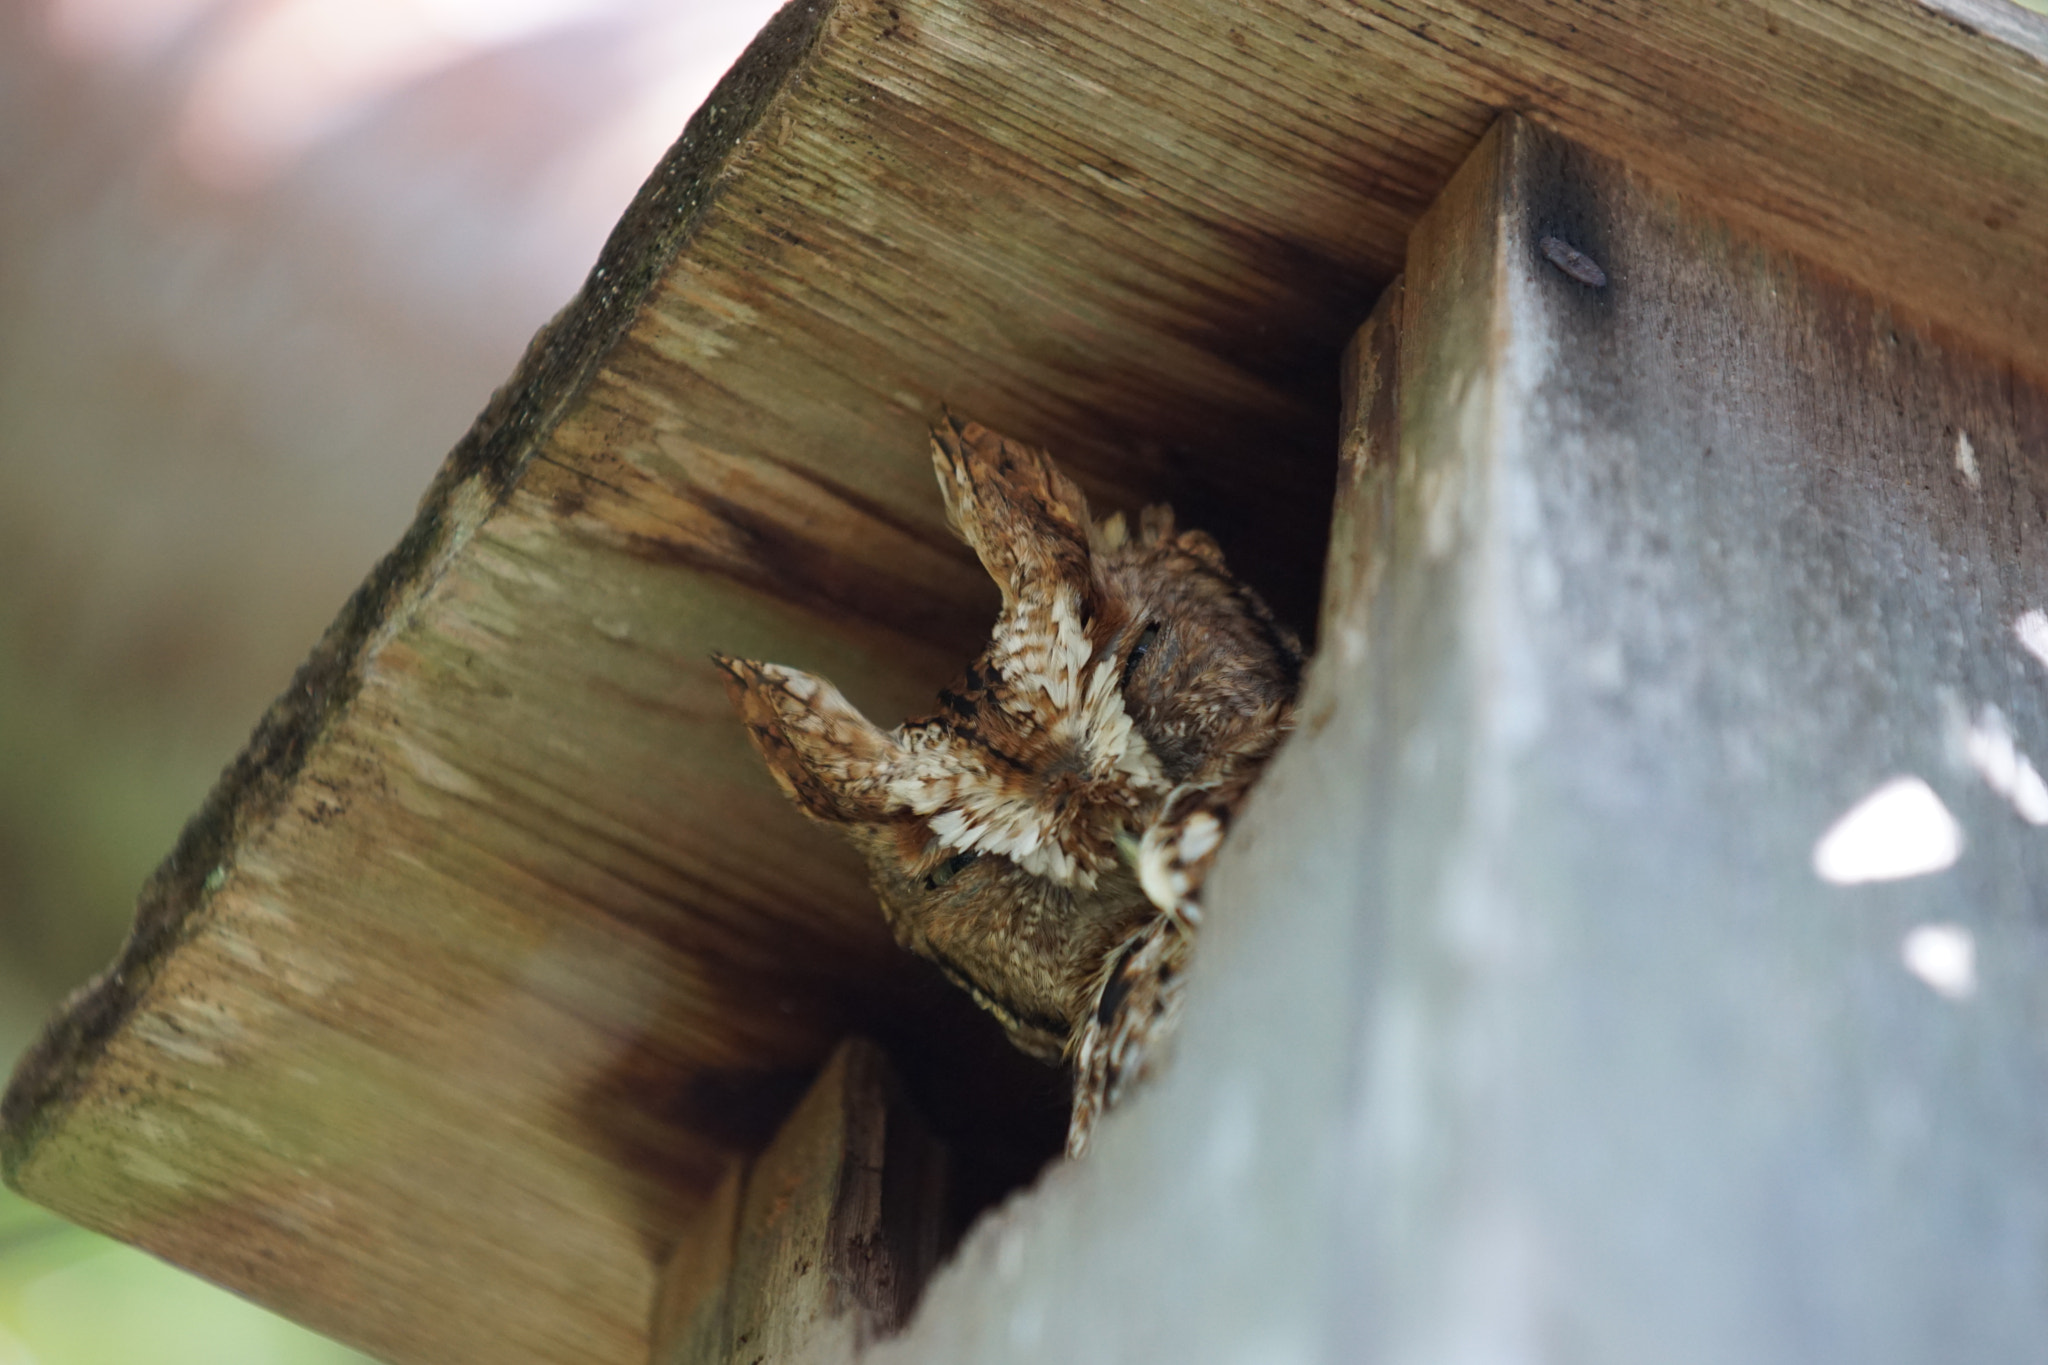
<point>1043,836</point>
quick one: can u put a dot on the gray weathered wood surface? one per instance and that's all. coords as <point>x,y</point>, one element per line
<point>495,949</point>
<point>1524,1027</point>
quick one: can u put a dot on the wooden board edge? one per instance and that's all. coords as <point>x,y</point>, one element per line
<point>477,476</point>
<point>1368,448</point>
<point>2001,21</point>
<point>823,1242</point>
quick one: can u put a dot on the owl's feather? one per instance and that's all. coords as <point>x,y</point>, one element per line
<point>1043,836</point>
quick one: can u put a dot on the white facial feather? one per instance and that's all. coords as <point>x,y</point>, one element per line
<point>1075,703</point>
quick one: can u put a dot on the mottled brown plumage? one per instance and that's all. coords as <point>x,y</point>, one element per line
<point>1042,838</point>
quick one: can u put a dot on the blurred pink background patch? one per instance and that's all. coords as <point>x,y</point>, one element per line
<point>261,261</point>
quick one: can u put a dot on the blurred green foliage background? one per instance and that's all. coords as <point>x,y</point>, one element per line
<point>260,263</point>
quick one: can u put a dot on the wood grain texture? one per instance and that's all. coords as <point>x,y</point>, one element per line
<point>1361,532</point>
<point>820,1245</point>
<point>1716,568</point>
<point>2025,30</point>
<point>496,948</point>
<point>1564,1050</point>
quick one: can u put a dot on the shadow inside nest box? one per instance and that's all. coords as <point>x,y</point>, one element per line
<point>1001,1115</point>
<point>1263,487</point>
<point>1269,508</point>
<point>1262,482</point>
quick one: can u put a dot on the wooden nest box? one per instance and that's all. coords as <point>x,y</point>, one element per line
<point>1638,953</point>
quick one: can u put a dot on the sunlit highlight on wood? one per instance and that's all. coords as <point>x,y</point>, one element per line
<point>1900,830</point>
<point>1944,956</point>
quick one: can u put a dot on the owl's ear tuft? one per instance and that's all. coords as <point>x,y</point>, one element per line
<point>825,755</point>
<point>1156,527</point>
<point>1026,521</point>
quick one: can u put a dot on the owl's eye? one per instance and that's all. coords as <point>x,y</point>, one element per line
<point>1139,651</point>
<point>949,869</point>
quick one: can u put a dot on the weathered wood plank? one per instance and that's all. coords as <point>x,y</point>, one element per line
<point>1712,562</point>
<point>1564,1047</point>
<point>1361,532</point>
<point>821,1244</point>
<point>445,1014</point>
<point>496,949</point>
<point>691,1321</point>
